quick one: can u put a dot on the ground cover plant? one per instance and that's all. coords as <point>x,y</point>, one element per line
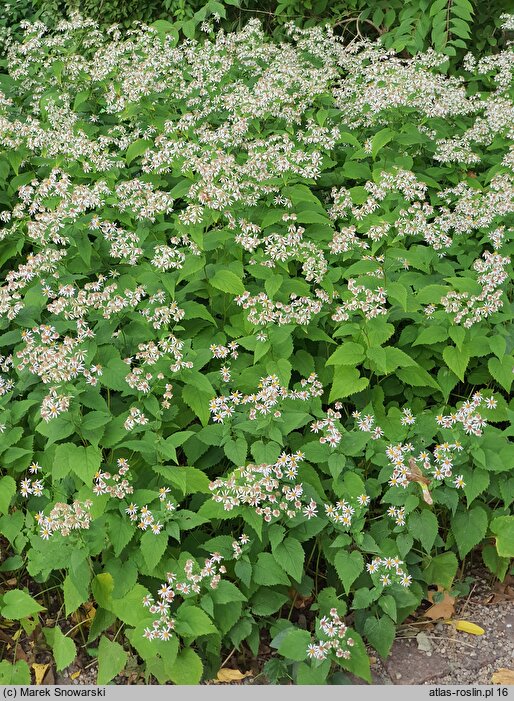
<point>257,349</point>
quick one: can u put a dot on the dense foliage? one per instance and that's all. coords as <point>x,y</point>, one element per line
<point>450,26</point>
<point>256,313</point>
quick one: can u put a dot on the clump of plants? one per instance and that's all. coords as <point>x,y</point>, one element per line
<point>256,313</point>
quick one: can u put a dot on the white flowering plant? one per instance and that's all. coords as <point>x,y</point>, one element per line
<point>256,330</point>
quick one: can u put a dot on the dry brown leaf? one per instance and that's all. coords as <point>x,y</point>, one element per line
<point>442,609</point>
<point>39,671</point>
<point>49,679</point>
<point>299,601</point>
<point>226,675</point>
<point>503,676</point>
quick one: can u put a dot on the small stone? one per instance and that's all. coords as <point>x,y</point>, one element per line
<point>398,675</point>
<point>424,643</point>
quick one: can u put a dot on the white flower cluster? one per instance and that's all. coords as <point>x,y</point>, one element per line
<point>266,400</point>
<point>262,487</point>
<point>335,636</point>
<point>65,518</point>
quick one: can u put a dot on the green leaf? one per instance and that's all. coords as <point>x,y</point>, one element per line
<point>226,593</point>
<point>128,609</point>
<point>503,529</point>
<point>71,458</point>
<point>112,658</point>
<point>377,331</point>
<point>347,381</point>
<point>502,371</point>
<point>380,632</point>
<point>187,668</point>
<point>267,571</point>
<point>7,491</point>
<point>348,354</point>
<point>457,360</point>
<point>292,644</point>
<point>309,217</point>
<point>358,663</point>
<point>476,481</point>
<point>306,674</point>
<point>442,570</point>
<point>63,647</point>
<point>236,451</point>
<point>386,359</point>
<point>290,554</point>
<point>198,402</point>
<point>17,604</point>
<point>136,149</point>
<point>380,139</point>
<point>431,335</point>
<point>102,587</point>
<point>388,605</point>
<point>227,281</point>
<point>17,673</point>
<point>348,565</point>
<point>73,596</point>
<point>494,563</point>
<point>424,527</point>
<point>192,621</point>
<point>153,547</point>
<point>417,377</point>
<point>469,528</point>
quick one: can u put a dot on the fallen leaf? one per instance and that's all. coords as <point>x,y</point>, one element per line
<point>299,601</point>
<point>442,609</point>
<point>503,676</point>
<point>467,627</point>
<point>39,671</point>
<point>75,675</point>
<point>503,591</point>
<point>231,675</point>
<point>49,679</point>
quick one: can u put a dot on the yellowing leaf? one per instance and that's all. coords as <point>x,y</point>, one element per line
<point>503,676</point>
<point>39,671</point>
<point>467,627</point>
<point>75,675</point>
<point>231,675</point>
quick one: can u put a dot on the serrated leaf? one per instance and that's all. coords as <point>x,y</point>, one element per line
<point>7,491</point>
<point>227,281</point>
<point>290,554</point>
<point>267,571</point>
<point>187,668</point>
<point>136,149</point>
<point>503,529</point>
<point>63,647</point>
<point>380,632</point>
<point>348,565</point>
<point>17,604</point>
<point>502,371</point>
<point>348,353</point>
<point>347,381</point>
<point>112,658</point>
<point>380,139</point>
<point>292,644</point>
<point>153,547</point>
<point>424,527</point>
<point>77,459</point>
<point>469,528</point>
<point>457,360</point>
